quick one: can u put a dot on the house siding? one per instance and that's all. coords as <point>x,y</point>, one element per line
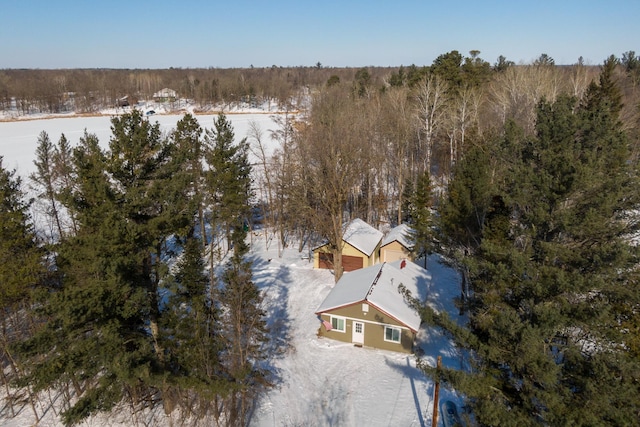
<point>394,251</point>
<point>316,255</point>
<point>374,324</point>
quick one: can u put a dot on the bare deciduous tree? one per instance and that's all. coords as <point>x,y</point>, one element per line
<point>516,91</point>
<point>431,111</point>
<point>330,151</point>
<point>399,135</point>
<point>265,187</point>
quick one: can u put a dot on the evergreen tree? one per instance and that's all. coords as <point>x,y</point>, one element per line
<point>191,338</point>
<point>109,335</point>
<point>228,178</point>
<point>464,209</point>
<point>244,333</point>
<point>502,64</point>
<point>333,80</point>
<point>137,165</point>
<point>242,323</point>
<point>45,178</point>
<point>468,198</point>
<point>631,64</point>
<point>95,338</point>
<point>155,184</point>
<point>186,168</point>
<point>64,173</point>
<point>420,203</point>
<point>407,206</point>
<point>449,67</point>
<point>544,60</point>
<point>398,79</point>
<point>103,330</point>
<point>22,271</point>
<point>554,275</point>
<point>476,71</point>
<point>362,82</point>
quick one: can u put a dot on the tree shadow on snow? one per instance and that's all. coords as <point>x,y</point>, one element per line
<point>272,278</point>
<point>417,381</point>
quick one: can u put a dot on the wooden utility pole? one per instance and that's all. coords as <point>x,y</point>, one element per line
<point>436,394</point>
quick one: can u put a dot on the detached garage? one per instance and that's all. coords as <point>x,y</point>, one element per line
<point>397,244</point>
<point>361,248</point>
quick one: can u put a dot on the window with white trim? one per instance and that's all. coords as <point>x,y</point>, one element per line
<point>338,323</point>
<point>392,334</point>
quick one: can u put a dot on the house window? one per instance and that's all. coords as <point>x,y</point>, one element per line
<point>391,334</point>
<point>337,323</point>
<point>365,307</point>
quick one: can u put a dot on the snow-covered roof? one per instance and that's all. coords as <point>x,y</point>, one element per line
<point>362,236</point>
<point>401,234</point>
<point>378,286</point>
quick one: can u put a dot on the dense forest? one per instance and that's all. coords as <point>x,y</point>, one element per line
<point>524,175</point>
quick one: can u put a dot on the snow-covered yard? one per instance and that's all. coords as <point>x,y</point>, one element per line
<point>329,383</point>
<point>319,382</point>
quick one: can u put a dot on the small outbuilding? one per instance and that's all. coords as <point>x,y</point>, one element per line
<point>397,244</point>
<point>165,95</point>
<point>366,307</point>
<point>123,102</point>
<point>361,248</point>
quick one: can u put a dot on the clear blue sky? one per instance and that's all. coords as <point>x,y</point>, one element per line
<point>241,33</point>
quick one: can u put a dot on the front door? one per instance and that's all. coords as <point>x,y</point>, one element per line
<point>358,332</point>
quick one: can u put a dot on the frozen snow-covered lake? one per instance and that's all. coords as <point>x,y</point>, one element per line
<point>19,139</point>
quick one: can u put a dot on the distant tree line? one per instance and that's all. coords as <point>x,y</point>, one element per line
<point>524,176</point>
<point>92,90</point>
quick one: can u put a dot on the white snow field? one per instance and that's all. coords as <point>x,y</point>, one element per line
<point>319,382</point>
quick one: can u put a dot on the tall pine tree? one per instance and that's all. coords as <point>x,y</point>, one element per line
<point>22,271</point>
<point>244,333</point>
<point>45,178</point>
<point>419,213</point>
<point>186,167</point>
<point>242,323</point>
<point>228,177</point>
<point>191,337</point>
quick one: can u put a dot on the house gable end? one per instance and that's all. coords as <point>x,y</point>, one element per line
<point>340,310</point>
<point>400,234</point>
<point>389,319</point>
